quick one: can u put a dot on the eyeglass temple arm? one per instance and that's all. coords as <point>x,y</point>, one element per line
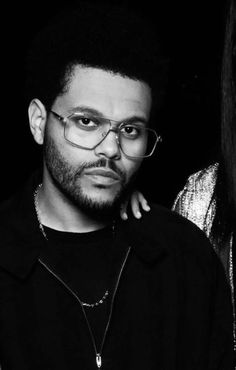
<point>57,115</point>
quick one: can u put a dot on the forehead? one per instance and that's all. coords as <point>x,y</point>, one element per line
<point>112,94</point>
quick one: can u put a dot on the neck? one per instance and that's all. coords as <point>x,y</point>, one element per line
<point>59,213</point>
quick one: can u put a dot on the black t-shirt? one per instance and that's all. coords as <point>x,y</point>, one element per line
<point>83,261</point>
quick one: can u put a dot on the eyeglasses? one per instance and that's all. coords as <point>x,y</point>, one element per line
<point>87,131</point>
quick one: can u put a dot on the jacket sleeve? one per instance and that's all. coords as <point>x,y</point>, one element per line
<point>195,200</point>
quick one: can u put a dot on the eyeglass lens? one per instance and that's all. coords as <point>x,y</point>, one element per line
<point>88,132</point>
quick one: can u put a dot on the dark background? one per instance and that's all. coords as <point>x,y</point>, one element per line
<point>189,121</point>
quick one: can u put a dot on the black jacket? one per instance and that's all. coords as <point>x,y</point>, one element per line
<point>171,310</point>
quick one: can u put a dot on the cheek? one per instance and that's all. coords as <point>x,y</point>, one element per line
<point>131,167</point>
<point>73,155</point>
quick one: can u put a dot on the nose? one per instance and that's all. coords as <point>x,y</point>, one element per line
<point>109,147</point>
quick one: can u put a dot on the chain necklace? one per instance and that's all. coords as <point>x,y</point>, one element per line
<point>36,206</point>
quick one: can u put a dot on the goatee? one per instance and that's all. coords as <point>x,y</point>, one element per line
<point>67,179</point>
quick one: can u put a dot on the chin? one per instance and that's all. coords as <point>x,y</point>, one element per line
<point>103,196</point>
<point>100,202</point>
<point>99,208</point>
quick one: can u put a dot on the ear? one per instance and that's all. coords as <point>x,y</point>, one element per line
<point>37,119</point>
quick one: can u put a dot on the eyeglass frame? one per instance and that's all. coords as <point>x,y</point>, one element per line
<point>64,120</point>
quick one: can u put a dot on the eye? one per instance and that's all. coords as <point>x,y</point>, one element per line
<point>131,131</point>
<point>86,121</point>
<point>83,122</point>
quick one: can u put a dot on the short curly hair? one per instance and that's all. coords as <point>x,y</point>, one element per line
<point>94,35</point>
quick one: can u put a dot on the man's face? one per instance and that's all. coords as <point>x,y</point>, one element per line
<point>94,179</point>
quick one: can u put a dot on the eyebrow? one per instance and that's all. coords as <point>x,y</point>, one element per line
<point>95,112</point>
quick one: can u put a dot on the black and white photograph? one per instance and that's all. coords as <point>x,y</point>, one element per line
<point>118,186</point>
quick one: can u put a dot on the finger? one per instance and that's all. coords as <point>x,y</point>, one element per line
<point>135,204</point>
<point>143,201</point>
<point>123,210</point>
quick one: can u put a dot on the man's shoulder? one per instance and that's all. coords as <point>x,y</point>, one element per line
<point>17,210</point>
<point>19,201</point>
<point>175,231</point>
<point>169,219</point>
<point>11,218</point>
<point>7,207</point>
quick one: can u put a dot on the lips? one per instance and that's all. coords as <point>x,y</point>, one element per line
<point>104,173</point>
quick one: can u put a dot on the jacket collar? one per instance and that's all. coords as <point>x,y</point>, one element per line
<point>22,241</point>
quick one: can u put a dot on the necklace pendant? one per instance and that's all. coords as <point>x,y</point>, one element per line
<point>99,360</point>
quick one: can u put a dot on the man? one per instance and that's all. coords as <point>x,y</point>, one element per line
<point>81,289</point>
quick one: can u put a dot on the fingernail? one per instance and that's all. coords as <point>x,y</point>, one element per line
<point>124,216</point>
<point>138,215</point>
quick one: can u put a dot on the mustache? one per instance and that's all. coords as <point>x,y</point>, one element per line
<point>102,163</point>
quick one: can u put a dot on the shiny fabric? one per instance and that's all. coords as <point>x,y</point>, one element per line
<point>195,202</point>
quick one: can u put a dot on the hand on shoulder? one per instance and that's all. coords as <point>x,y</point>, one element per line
<point>137,203</point>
